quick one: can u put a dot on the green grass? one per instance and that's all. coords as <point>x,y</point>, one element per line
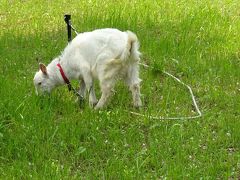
<point>51,138</point>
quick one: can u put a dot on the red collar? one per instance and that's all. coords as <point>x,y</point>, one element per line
<point>66,80</point>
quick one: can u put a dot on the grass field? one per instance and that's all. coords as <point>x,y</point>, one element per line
<point>51,138</point>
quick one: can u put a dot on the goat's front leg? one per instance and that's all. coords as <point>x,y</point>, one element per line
<point>107,78</point>
<point>90,88</point>
<point>106,93</point>
<point>92,97</point>
<point>82,90</point>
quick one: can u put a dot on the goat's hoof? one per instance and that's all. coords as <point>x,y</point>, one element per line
<point>138,104</point>
<point>93,104</point>
<point>79,99</point>
<point>138,107</point>
<point>98,107</point>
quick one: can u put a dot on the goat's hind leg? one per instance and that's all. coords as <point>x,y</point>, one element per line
<point>135,89</point>
<point>133,81</point>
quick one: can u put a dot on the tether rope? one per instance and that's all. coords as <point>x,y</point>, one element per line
<point>67,20</point>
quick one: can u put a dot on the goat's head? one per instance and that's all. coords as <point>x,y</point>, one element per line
<point>42,82</point>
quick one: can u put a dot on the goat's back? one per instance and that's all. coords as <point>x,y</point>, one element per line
<point>102,46</point>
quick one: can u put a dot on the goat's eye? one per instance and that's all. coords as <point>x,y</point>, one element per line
<point>39,83</point>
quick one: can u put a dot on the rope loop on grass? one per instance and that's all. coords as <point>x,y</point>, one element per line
<point>199,114</point>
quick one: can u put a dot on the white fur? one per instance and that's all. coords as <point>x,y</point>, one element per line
<point>105,54</point>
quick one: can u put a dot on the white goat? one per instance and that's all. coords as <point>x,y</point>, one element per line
<point>105,54</point>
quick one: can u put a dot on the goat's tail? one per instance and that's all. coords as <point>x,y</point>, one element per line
<point>131,52</point>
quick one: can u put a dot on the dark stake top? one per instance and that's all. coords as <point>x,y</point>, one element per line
<point>67,19</point>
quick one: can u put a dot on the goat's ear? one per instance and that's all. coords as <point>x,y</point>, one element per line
<point>43,68</point>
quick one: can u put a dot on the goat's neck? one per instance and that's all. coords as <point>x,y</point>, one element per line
<point>54,73</point>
